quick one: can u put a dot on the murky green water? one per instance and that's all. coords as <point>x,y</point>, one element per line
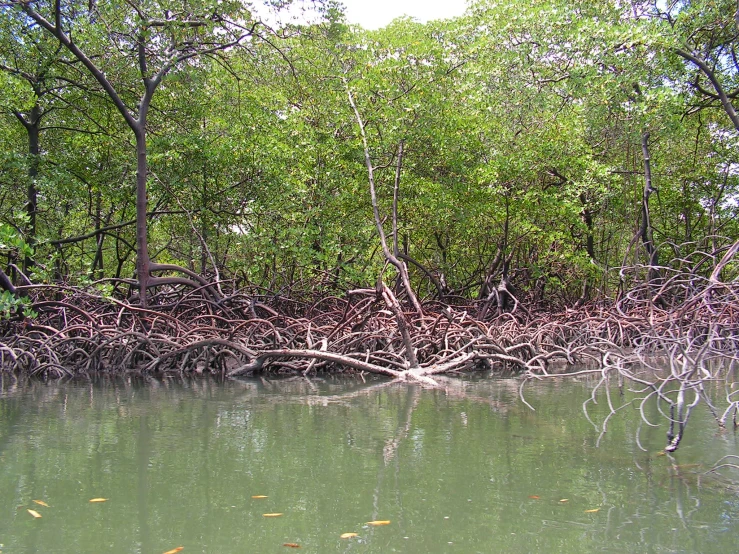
<point>467,470</point>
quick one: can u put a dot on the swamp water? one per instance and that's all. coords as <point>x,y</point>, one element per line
<point>468,470</point>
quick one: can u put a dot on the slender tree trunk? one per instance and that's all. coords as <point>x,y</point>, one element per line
<point>389,256</point>
<point>97,261</point>
<point>400,263</point>
<point>143,37</point>
<point>32,197</point>
<point>646,232</point>
<point>587,218</point>
<point>502,292</point>
<point>143,263</point>
<point>31,124</point>
<point>498,294</point>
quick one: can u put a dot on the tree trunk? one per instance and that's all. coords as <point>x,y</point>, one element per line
<point>645,229</point>
<point>143,262</point>
<point>97,261</point>
<point>389,256</point>
<point>31,125</point>
<point>32,193</point>
<point>587,218</point>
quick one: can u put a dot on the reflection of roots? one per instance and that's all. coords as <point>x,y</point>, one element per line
<point>726,472</point>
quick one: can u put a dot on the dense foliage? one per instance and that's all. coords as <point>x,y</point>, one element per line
<point>524,128</point>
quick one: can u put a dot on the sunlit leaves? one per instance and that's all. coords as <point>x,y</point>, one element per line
<point>34,513</point>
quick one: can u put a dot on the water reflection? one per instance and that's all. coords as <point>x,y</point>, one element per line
<point>466,469</point>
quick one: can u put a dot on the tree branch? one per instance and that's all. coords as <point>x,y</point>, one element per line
<point>711,75</point>
<point>56,30</point>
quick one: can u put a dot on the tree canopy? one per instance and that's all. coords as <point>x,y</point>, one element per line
<point>521,127</point>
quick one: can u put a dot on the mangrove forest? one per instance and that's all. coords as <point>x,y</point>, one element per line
<point>230,188</point>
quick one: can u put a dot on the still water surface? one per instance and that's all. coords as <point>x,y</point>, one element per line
<point>466,470</point>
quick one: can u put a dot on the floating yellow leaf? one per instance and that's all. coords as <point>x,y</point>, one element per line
<point>42,503</point>
<point>291,544</point>
<point>277,514</point>
<point>259,496</point>
<point>593,511</point>
<point>565,500</point>
<point>533,497</point>
<point>98,500</point>
<point>349,535</point>
<point>379,522</point>
<point>34,513</point>
<point>175,550</point>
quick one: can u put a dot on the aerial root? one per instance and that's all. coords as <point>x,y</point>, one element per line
<point>78,332</point>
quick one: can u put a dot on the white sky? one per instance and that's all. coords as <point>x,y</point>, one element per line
<point>373,14</point>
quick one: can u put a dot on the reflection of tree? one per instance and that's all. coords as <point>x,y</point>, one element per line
<point>196,448</point>
<point>143,457</point>
<point>404,425</point>
<point>693,359</point>
<point>726,472</point>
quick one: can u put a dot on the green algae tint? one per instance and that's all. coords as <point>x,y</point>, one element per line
<point>197,465</point>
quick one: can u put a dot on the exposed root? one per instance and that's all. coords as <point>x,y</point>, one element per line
<point>695,330</point>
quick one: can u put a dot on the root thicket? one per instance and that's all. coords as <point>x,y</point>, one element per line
<point>692,326</point>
